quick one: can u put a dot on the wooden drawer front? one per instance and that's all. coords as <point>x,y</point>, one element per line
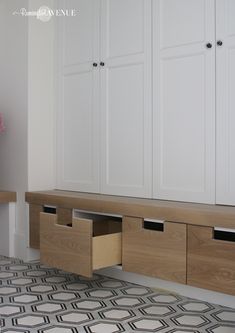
<point>34,225</point>
<point>79,248</point>
<point>64,214</point>
<point>211,262</point>
<point>160,254</point>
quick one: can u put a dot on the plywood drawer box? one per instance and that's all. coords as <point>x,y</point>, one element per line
<point>81,247</point>
<point>211,262</point>
<point>155,253</point>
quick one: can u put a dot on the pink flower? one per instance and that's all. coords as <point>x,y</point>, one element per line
<point>2,127</point>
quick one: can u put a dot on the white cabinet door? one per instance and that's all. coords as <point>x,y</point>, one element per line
<point>183,100</point>
<point>78,97</point>
<point>126,97</point>
<point>225,101</point>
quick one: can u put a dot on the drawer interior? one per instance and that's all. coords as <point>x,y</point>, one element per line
<point>89,242</point>
<point>106,238</point>
<point>102,224</point>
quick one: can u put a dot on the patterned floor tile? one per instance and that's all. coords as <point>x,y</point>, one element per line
<point>137,291</point>
<point>102,327</point>
<point>88,305</point>
<point>157,310</point>
<point>35,298</point>
<point>76,318</point>
<point>64,296</point>
<point>190,320</point>
<point>101,293</point>
<point>165,299</point>
<point>48,307</point>
<point>148,325</point>
<point>117,314</point>
<point>221,329</point>
<point>25,298</point>
<point>225,316</point>
<point>196,307</point>
<point>58,329</point>
<point>30,320</point>
<point>10,310</point>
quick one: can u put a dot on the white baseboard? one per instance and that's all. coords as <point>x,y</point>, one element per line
<point>22,251</point>
<point>20,246</point>
<point>4,234</point>
<point>32,254</point>
<point>7,234</point>
<point>12,227</point>
<point>188,291</point>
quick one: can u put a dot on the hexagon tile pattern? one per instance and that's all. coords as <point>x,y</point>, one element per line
<point>35,298</point>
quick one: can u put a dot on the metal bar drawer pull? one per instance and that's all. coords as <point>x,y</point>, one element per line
<point>224,234</point>
<point>156,225</point>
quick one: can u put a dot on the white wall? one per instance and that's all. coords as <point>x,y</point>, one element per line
<point>13,104</point>
<point>26,100</point>
<point>13,98</point>
<point>40,101</point>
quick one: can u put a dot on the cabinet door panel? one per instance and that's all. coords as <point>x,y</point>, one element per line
<point>182,113</point>
<point>78,42</point>
<point>187,17</point>
<point>229,7</point>
<point>78,101</point>
<point>125,23</point>
<point>183,101</point>
<point>78,129</point>
<point>125,101</point>
<point>225,100</point>
<point>126,97</point>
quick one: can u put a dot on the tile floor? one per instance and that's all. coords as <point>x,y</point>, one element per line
<point>36,298</point>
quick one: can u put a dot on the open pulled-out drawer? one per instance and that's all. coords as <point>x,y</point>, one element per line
<point>90,242</point>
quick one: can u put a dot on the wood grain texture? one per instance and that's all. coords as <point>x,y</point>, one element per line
<point>155,253</point>
<point>67,248</point>
<point>198,214</point>
<point>65,215</point>
<point>211,262</point>
<point>76,249</point>
<point>107,250</point>
<point>34,225</point>
<point>7,196</point>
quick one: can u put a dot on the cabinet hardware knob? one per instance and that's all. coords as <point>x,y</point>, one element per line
<point>219,43</point>
<point>209,45</point>
<point>101,63</point>
<point>95,64</point>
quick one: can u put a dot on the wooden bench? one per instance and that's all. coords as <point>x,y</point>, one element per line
<point>187,243</point>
